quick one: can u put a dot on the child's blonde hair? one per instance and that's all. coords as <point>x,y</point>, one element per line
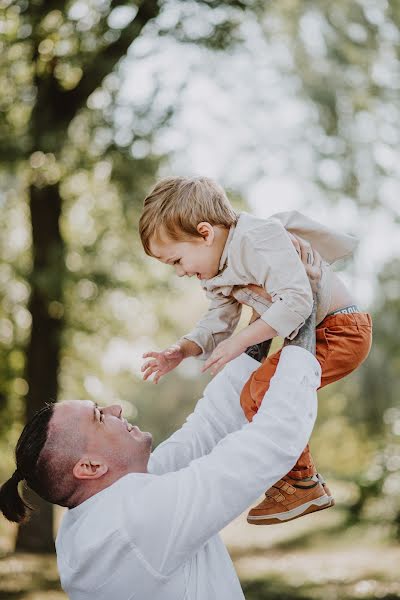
<point>176,205</point>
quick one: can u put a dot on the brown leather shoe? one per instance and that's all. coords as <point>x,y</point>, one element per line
<point>289,499</point>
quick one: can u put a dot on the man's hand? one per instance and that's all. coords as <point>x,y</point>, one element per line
<point>162,362</point>
<point>310,258</point>
<point>224,353</point>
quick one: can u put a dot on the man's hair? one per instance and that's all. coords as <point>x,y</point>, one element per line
<point>176,205</point>
<point>45,459</point>
<point>27,453</point>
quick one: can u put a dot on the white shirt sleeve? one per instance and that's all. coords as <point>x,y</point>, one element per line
<point>187,507</point>
<point>216,414</point>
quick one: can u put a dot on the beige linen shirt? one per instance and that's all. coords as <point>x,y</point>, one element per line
<point>259,251</point>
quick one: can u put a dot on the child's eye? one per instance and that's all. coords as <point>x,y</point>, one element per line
<point>176,262</point>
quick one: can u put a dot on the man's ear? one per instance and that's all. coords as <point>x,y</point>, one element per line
<point>207,232</point>
<point>87,468</point>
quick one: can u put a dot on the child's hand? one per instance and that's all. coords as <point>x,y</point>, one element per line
<point>162,363</point>
<point>223,353</point>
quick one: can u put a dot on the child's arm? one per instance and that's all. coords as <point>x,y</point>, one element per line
<point>268,258</point>
<point>216,325</point>
<point>259,330</point>
<point>165,361</point>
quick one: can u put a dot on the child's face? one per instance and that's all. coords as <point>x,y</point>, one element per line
<point>198,257</point>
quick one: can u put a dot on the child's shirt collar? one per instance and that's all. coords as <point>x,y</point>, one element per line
<point>224,255</point>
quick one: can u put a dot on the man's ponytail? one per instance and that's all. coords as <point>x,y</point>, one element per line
<point>12,505</point>
<point>29,446</point>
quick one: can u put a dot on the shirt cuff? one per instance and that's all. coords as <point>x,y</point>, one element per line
<point>203,339</point>
<point>242,367</point>
<point>285,321</point>
<point>298,363</point>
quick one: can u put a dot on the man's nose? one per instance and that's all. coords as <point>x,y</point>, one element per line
<point>114,409</point>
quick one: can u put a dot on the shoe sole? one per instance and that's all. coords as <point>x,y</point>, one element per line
<point>331,501</point>
<point>331,498</point>
<point>305,509</point>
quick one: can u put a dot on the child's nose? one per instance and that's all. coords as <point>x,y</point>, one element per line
<point>180,271</point>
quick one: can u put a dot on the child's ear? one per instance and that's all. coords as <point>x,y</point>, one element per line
<point>207,232</point>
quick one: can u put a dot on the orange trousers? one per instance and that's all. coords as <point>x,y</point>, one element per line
<point>343,343</point>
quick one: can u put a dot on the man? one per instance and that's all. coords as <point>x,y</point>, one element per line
<point>145,526</point>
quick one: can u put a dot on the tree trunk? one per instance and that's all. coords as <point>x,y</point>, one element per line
<point>43,354</point>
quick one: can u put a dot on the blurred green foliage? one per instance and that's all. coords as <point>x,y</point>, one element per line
<point>75,164</point>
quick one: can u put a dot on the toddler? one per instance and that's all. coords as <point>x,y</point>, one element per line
<point>190,224</point>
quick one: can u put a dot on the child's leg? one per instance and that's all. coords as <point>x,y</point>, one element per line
<point>256,387</point>
<point>343,342</point>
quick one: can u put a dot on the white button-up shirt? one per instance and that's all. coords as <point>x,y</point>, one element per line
<point>259,251</point>
<point>155,536</point>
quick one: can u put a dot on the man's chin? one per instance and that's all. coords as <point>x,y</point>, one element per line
<point>138,434</point>
<point>148,438</point>
<point>146,441</point>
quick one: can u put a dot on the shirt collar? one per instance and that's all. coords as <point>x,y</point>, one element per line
<point>224,255</point>
<point>76,511</point>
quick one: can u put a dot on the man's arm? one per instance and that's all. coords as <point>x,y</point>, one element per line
<point>306,336</point>
<point>216,415</point>
<point>189,506</point>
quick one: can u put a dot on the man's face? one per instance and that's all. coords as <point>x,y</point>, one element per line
<point>106,436</point>
<point>194,257</point>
